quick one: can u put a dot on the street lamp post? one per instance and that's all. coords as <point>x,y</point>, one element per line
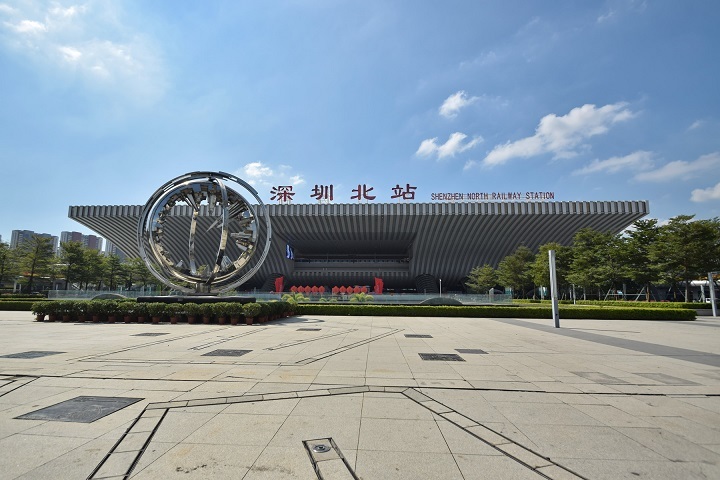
<point>440,286</point>
<point>711,286</point>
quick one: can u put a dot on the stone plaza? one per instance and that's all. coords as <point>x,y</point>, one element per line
<point>360,397</point>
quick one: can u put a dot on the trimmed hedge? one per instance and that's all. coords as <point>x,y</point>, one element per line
<point>17,296</point>
<point>621,303</point>
<point>17,305</point>
<point>540,311</point>
<point>607,313</point>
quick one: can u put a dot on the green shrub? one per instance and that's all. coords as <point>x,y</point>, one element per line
<point>296,297</point>
<point>192,309</point>
<point>18,296</point>
<point>252,309</point>
<point>221,309</point>
<point>19,305</point>
<point>496,311</point>
<point>174,309</point>
<point>40,308</point>
<point>361,298</point>
<point>157,309</point>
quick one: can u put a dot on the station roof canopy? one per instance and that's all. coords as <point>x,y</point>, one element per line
<point>349,244</point>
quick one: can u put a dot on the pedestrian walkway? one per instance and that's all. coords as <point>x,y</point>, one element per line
<point>360,398</point>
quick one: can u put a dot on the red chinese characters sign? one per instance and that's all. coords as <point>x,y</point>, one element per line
<point>326,193</point>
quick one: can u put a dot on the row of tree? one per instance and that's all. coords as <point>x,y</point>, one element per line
<point>647,253</point>
<point>79,267</point>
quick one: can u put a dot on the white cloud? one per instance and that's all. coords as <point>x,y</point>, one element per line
<point>256,170</point>
<point>706,194</point>
<point>469,165</point>
<point>260,175</point>
<point>454,145</point>
<point>696,124</point>
<point>639,160</point>
<point>455,102</point>
<point>606,16</point>
<point>681,169</point>
<point>27,26</point>
<point>561,136</point>
<point>94,43</point>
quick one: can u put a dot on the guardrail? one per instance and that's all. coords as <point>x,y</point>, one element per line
<point>387,298</point>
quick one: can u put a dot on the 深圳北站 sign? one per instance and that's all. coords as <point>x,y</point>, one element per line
<point>365,192</point>
<point>491,196</point>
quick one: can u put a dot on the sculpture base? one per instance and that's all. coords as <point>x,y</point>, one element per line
<point>195,299</point>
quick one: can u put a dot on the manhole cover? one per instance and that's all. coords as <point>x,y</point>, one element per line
<point>446,357</point>
<point>417,335</point>
<point>81,409</point>
<point>475,351</point>
<point>309,329</point>
<point>32,354</point>
<point>226,353</point>
<point>150,334</point>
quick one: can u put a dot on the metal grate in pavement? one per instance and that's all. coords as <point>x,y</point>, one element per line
<point>445,357</point>
<point>31,354</point>
<point>226,353</point>
<point>84,409</point>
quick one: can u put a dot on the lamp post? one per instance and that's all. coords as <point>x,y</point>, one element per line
<point>440,286</point>
<point>711,286</point>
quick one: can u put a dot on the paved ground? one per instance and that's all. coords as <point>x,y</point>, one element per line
<point>351,396</point>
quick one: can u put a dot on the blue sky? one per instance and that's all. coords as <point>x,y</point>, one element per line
<point>104,101</point>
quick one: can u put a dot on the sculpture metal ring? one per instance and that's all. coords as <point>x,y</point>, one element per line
<point>199,209</point>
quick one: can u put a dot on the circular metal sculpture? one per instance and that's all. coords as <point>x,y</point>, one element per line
<point>196,234</point>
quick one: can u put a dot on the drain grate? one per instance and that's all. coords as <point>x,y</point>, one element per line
<point>445,357</point>
<point>309,329</point>
<point>417,335</point>
<point>81,409</point>
<point>473,351</point>
<point>226,353</point>
<point>31,354</point>
<point>666,379</point>
<point>150,334</point>
<point>327,459</point>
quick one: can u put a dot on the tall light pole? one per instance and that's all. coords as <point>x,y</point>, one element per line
<point>440,286</point>
<point>553,288</point>
<point>711,285</point>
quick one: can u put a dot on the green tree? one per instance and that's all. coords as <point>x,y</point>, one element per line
<point>598,259</point>
<point>687,249</point>
<point>72,256</point>
<point>540,268</point>
<point>36,255</point>
<point>482,279</point>
<point>112,271</point>
<point>8,263</point>
<point>514,270</point>
<point>92,270</point>
<point>641,240</point>
<point>139,271</point>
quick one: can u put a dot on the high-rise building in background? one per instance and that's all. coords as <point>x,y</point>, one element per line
<point>111,249</point>
<point>21,236</point>
<point>92,242</point>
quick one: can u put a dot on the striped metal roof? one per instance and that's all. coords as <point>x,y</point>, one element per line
<point>394,241</point>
